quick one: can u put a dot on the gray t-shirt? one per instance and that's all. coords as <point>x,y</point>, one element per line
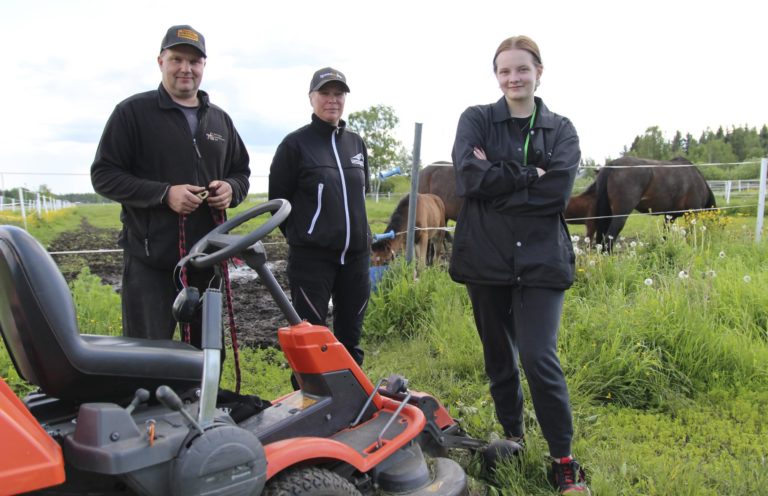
<point>191,114</point>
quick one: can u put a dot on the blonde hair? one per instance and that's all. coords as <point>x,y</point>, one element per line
<point>521,42</point>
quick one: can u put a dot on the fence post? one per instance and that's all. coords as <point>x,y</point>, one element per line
<point>728,186</point>
<point>23,212</point>
<point>411,234</point>
<point>761,200</point>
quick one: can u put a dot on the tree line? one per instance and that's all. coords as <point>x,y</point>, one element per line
<point>724,146</point>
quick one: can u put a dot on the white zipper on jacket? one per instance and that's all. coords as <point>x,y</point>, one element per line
<point>344,193</point>
<point>319,208</point>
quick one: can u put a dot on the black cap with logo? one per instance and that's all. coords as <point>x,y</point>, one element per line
<point>183,35</point>
<point>327,75</point>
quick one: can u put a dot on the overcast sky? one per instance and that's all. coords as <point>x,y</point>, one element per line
<point>614,68</point>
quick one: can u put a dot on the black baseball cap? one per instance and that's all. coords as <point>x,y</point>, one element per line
<point>326,75</point>
<point>183,35</point>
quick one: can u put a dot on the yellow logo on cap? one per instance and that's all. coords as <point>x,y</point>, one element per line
<point>187,34</point>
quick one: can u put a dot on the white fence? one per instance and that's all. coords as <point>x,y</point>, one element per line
<point>31,203</point>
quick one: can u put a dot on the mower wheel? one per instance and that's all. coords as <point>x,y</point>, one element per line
<point>310,481</point>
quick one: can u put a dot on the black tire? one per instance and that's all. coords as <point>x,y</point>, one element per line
<point>310,481</point>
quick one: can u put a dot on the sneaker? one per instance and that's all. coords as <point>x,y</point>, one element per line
<point>569,476</point>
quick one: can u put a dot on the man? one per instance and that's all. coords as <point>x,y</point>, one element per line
<point>175,162</point>
<point>322,169</point>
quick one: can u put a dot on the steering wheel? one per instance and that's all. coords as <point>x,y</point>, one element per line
<point>228,245</point>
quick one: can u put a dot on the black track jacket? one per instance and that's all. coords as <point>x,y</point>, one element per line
<point>511,230</point>
<point>146,147</point>
<point>323,171</point>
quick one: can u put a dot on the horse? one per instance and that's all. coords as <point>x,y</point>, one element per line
<point>581,209</point>
<point>439,179</point>
<point>668,188</point>
<point>430,213</point>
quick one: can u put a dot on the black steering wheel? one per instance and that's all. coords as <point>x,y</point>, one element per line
<point>227,245</point>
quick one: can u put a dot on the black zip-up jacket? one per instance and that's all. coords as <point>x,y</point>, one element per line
<point>511,230</point>
<point>323,171</point>
<point>146,147</point>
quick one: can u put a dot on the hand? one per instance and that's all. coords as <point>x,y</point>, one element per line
<point>221,195</point>
<point>479,153</point>
<point>183,199</point>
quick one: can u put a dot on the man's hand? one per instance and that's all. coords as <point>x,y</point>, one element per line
<point>220,195</point>
<point>183,199</point>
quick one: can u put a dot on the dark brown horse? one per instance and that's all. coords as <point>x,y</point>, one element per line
<point>430,214</point>
<point>668,188</point>
<point>439,179</point>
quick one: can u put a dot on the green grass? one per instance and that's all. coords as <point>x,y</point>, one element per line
<point>668,378</point>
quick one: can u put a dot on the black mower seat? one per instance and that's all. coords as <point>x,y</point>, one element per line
<point>39,326</point>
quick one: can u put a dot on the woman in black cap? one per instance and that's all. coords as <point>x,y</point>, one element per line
<point>322,169</point>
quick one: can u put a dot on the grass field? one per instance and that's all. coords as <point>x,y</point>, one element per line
<point>664,344</point>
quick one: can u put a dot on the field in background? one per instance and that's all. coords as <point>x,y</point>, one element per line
<point>664,344</point>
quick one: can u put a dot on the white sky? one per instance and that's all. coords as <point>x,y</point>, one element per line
<point>614,68</point>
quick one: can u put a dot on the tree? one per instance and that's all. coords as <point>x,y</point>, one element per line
<point>376,126</point>
<point>712,152</point>
<point>650,145</point>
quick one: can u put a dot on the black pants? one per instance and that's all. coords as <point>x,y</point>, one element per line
<point>315,281</point>
<point>515,321</point>
<point>147,298</point>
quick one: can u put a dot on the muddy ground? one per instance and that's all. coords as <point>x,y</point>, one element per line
<point>257,317</point>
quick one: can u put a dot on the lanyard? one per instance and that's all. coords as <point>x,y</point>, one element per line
<point>528,137</point>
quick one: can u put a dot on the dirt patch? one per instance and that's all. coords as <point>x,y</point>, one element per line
<point>257,317</point>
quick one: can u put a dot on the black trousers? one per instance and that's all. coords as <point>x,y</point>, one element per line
<point>315,281</point>
<point>147,298</point>
<point>524,322</point>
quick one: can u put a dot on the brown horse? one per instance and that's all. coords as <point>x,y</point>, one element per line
<point>430,213</point>
<point>439,179</point>
<point>581,210</point>
<point>669,188</point>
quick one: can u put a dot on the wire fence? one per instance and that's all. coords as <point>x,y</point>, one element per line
<point>728,189</point>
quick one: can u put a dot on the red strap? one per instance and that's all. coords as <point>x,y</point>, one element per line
<point>218,218</point>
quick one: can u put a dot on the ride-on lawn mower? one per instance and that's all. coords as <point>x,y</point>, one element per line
<point>119,415</point>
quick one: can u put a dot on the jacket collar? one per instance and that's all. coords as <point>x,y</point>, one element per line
<point>166,102</point>
<point>544,117</point>
<point>325,128</point>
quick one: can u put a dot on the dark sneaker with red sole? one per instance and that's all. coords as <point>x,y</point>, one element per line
<point>569,477</point>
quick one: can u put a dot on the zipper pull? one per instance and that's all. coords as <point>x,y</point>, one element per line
<point>146,246</point>
<point>194,143</point>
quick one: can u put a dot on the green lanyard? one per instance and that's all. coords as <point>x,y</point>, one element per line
<point>528,137</point>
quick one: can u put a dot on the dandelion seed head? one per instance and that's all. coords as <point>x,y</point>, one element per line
<point>682,274</point>
<point>747,279</point>
<point>648,282</point>
<point>633,244</point>
<point>722,254</point>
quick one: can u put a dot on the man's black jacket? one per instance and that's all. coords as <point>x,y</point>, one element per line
<point>146,147</point>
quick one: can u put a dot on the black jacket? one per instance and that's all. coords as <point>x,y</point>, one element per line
<point>146,147</point>
<point>323,171</point>
<point>510,230</point>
